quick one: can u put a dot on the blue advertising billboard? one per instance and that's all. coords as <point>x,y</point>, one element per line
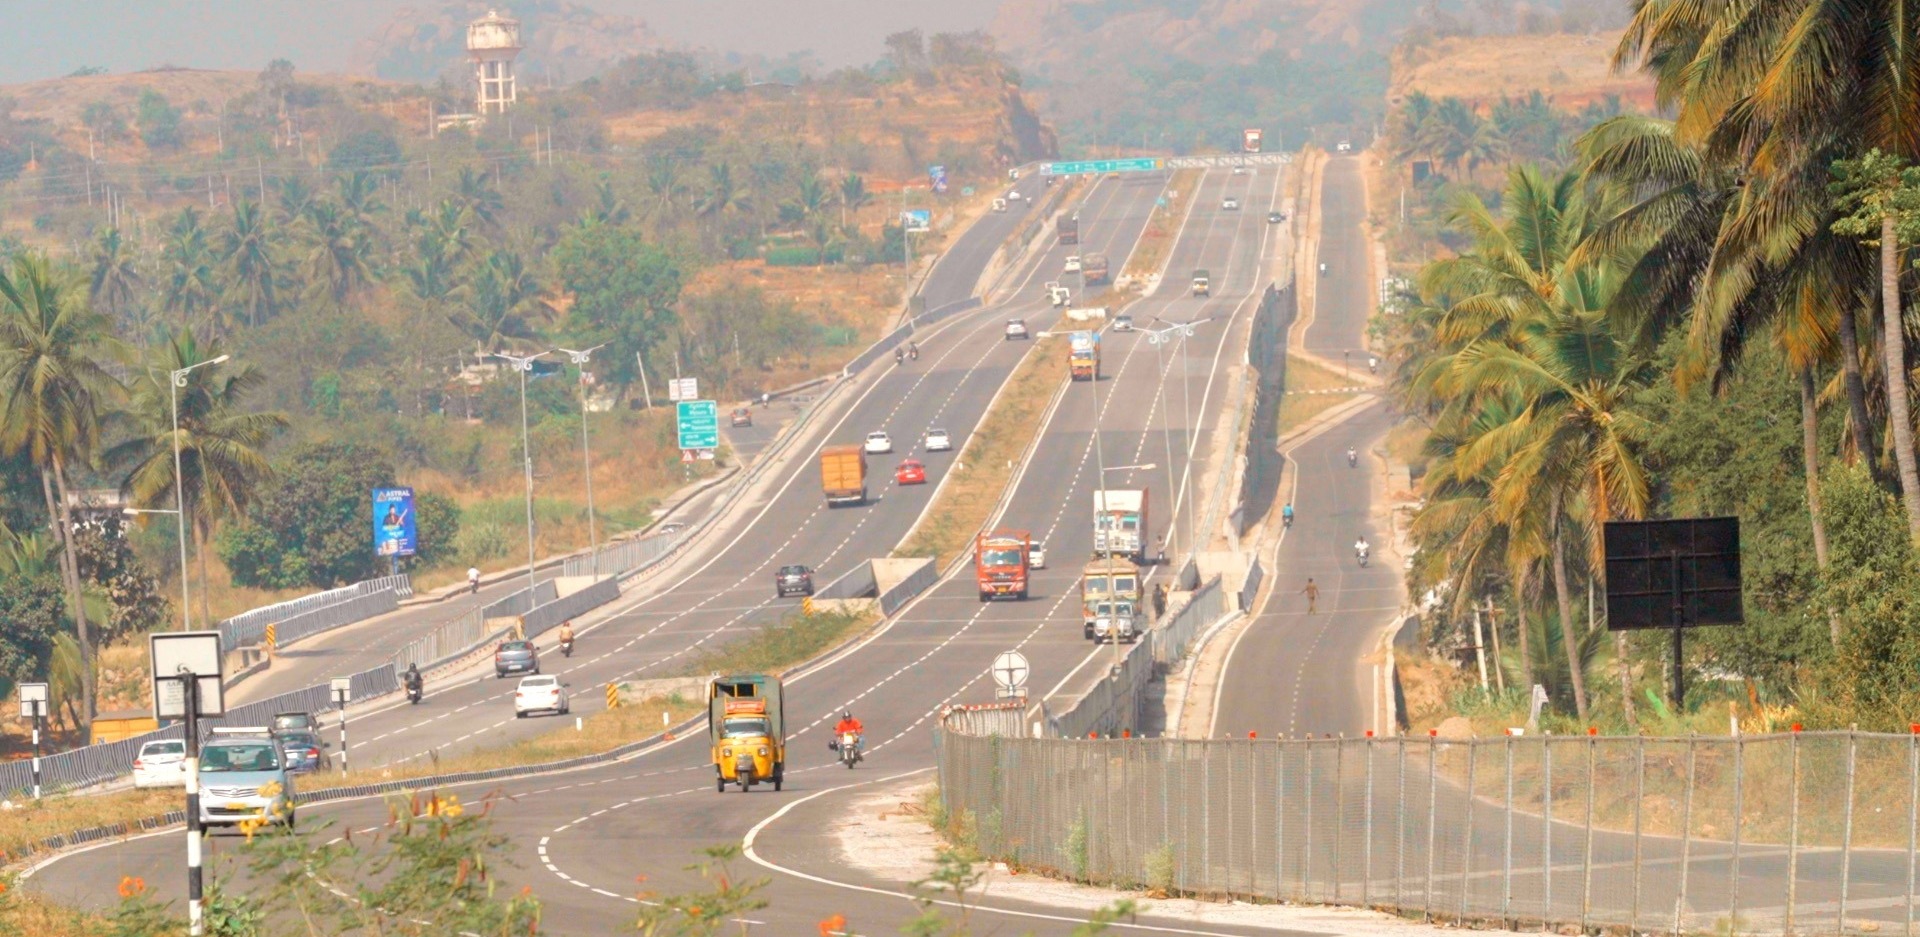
<point>938,175</point>
<point>393,530</point>
<point>917,220</point>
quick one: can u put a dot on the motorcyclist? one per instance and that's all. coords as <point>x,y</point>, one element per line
<point>1286,514</point>
<point>899,355</point>
<point>1353,458</point>
<point>413,679</point>
<point>566,636</point>
<point>473,579</point>
<point>1360,549</point>
<point>848,726</point>
<point>913,351</point>
<point>1373,364</point>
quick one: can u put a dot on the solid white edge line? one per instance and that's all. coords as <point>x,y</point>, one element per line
<point>748,849</point>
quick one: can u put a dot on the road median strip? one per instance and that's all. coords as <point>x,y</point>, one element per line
<point>965,500</point>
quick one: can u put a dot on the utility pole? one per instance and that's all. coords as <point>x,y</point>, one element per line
<point>580,358</point>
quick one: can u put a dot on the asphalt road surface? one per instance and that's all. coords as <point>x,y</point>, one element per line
<point>580,837</point>
<point>1292,671</point>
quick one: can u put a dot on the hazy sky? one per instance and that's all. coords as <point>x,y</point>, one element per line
<point>49,38</point>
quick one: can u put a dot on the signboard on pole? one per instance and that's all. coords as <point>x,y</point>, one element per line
<point>1010,673</point>
<point>1085,167</point>
<point>938,175</point>
<point>683,388</point>
<point>1250,139</point>
<point>33,700</point>
<point>393,522</point>
<point>178,652</point>
<point>699,425</point>
<point>917,220</point>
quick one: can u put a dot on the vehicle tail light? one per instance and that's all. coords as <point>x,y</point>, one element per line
<point>138,764</point>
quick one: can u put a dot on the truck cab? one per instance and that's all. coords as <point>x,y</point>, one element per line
<point>1200,283</point>
<point>1120,523</point>
<point>745,727</point>
<point>1001,561</point>
<point>1110,601</point>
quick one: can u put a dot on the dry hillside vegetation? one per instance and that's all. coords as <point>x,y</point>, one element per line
<point>1571,69</point>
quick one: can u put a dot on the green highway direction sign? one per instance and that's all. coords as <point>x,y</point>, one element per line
<point>1085,167</point>
<point>699,424</point>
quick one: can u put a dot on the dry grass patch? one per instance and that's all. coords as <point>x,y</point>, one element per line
<point>1573,69</point>
<point>985,466</point>
<point>1163,227</point>
<point>1306,397</point>
<point>776,648</point>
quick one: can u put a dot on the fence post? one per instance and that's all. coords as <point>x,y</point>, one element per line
<point>1793,828</point>
<point>1206,812</point>
<point>1546,831</point>
<point>1433,804</point>
<point>1586,862</point>
<point>1339,814</point>
<point>1466,852</point>
<point>1253,822</point>
<point>1306,847</point>
<point>1639,798</point>
<point>1366,824</point>
<point>1506,851</point>
<point>1686,837</point>
<point>1400,825</point>
<point>1280,819</point>
<point>1739,797</point>
<point>1846,831</point>
<point>1913,814</point>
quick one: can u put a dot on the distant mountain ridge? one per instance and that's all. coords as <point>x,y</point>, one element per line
<point>567,40</point>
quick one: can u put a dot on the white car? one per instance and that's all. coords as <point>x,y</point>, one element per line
<point>1017,328</point>
<point>1037,555</point>
<point>1239,170</point>
<point>1014,196</point>
<point>540,693</point>
<point>1123,323</point>
<point>161,764</point>
<point>879,442</point>
<point>1229,204</point>
<point>938,440</point>
<point>1344,146</point>
<point>1073,264</point>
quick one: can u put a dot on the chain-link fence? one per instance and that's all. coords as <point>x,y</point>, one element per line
<point>1771,834</point>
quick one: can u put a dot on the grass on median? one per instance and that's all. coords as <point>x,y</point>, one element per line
<point>787,643</point>
<point>984,467</point>
<point>1162,227</point>
<point>1299,406</point>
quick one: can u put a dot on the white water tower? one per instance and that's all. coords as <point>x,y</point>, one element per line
<point>492,42</point>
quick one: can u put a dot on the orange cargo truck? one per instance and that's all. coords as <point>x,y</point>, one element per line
<point>1001,559</point>
<point>843,474</point>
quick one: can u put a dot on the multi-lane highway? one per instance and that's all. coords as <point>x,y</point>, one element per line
<point>1292,671</point>
<point>581,837</point>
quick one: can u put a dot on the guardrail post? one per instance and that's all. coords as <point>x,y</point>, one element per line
<point>1366,825</point>
<point>1913,815</point>
<point>1339,814</point>
<point>1433,805</point>
<point>1306,847</point>
<point>613,696</point>
<point>1400,825</point>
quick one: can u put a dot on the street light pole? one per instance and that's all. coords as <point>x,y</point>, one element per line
<point>580,359</point>
<point>1185,331</point>
<point>175,381</point>
<point>523,364</point>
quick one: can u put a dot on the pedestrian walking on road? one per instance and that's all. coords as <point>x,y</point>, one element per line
<point>1312,592</point>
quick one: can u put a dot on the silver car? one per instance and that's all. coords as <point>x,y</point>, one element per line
<point>938,440</point>
<point>242,777</point>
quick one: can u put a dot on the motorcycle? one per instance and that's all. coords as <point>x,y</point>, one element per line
<point>566,647</point>
<point>913,353</point>
<point>413,695</point>
<point>1286,520</point>
<point>1352,459</point>
<point>848,746</point>
<point>1362,554</point>
<point>899,357</point>
<point>473,587</point>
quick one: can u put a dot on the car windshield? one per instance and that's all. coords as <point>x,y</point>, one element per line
<point>512,646</point>
<point>538,683</point>
<point>793,570</point>
<point>876,437</point>
<point>163,748</point>
<point>249,756</point>
<point>940,433</point>
<point>740,727</point>
<point>1006,557</point>
<point>1114,609</point>
<point>1124,584</point>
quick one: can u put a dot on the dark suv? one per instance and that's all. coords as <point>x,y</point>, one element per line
<point>515,657</point>
<point>793,580</point>
<point>284,723</point>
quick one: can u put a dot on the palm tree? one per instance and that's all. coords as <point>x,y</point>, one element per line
<point>810,198</point>
<point>359,194</point>
<point>609,207</point>
<point>667,187</point>
<point>476,194</point>
<point>296,199</point>
<point>504,300</point>
<point>116,273</point>
<point>337,255</point>
<point>222,462</point>
<point>853,196</point>
<point>190,289</point>
<point>250,271</point>
<point>52,393</point>
<point>723,196</point>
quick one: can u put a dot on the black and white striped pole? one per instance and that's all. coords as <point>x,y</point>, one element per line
<point>342,694</point>
<point>33,707</point>
<point>188,678</point>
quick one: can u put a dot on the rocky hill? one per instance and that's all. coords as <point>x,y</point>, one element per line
<point>1572,70</point>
